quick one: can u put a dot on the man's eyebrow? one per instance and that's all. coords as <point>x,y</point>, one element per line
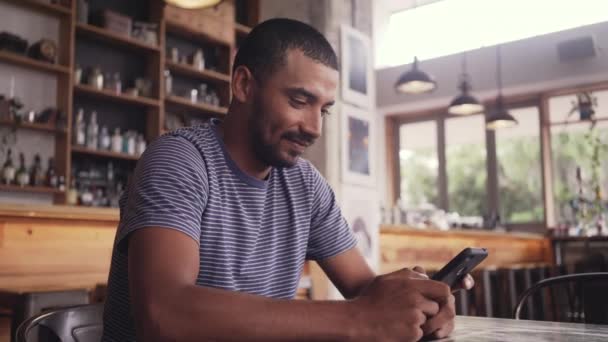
<point>310,96</point>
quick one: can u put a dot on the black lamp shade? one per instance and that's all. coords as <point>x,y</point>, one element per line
<point>193,4</point>
<point>415,81</point>
<point>500,118</point>
<point>465,104</point>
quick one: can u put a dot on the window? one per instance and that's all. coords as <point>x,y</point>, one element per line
<point>573,144</point>
<point>519,169</point>
<point>418,164</point>
<point>451,26</point>
<point>466,169</point>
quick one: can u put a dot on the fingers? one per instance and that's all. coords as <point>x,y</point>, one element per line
<point>420,270</point>
<point>467,283</point>
<point>408,273</point>
<point>443,322</point>
<point>429,307</point>
<point>434,290</point>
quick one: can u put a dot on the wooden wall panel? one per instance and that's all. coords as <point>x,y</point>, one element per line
<point>402,247</point>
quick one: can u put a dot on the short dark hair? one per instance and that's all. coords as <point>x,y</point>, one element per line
<point>265,47</point>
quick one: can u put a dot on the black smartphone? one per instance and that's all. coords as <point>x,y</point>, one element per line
<point>460,266</point>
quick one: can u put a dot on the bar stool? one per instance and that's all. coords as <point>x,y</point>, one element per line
<point>25,304</point>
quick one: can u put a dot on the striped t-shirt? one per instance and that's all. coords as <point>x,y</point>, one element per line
<point>254,235</point>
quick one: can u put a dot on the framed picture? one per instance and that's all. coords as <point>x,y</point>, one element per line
<point>361,210</point>
<point>357,68</point>
<point>358,146</point>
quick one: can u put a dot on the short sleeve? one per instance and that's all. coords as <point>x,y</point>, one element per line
<point>168,189</point>
<point>330,234</point>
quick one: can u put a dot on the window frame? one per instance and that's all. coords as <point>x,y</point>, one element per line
<point>538,99</point>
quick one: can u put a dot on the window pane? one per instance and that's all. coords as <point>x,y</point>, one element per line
<point>418,163</point>
<point>573,146</point>
<point>561,106</point>
<point>466,164</point>
<point>519,169</point>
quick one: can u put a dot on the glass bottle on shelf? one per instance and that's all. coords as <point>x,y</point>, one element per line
<point>117,141</point>
<point>168,83</point>
<point>79,135</point>
<point>23,177</point>
<point>96,78</point>
<point>61,183</point>
<point>72,194</point>
<point>128,144</point>
<point>117,83</point>
<point>104,139</point>
<point>198,60</point>
<point>86,197</point>
<point>92,132</point>
<point>141,145</point>
<point>51,174</point>
<point>8,169</point>
<point>36,172</point>
<point>110,174</point>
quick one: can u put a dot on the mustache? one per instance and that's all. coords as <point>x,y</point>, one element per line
<point>300,137</point>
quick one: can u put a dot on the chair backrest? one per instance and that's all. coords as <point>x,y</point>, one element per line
<point>582,294</point>
<point>83,323</point>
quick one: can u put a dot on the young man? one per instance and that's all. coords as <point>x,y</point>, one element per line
<point>219,220</point>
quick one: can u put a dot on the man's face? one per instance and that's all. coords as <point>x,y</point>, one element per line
<point>288,107</point>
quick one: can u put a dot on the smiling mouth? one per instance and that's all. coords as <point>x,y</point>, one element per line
<point>299,145</point>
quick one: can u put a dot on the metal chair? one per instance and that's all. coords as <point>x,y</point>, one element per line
<point>583,296</point>
<point>83,323</point>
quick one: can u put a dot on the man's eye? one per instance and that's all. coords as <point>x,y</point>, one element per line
<point>325,112</point>
<point>298,103</point>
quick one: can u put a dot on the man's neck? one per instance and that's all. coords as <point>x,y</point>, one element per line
<point>235,136</point>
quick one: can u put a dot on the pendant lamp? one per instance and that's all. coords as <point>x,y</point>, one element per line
<point>415,81</point>
<point>499,117</point>
<point>193,4</point>
<point>465,103</point>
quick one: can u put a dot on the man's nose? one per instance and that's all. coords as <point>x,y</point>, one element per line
<point>313,124</point>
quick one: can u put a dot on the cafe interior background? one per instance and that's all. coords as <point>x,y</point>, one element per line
<point>458,123</point>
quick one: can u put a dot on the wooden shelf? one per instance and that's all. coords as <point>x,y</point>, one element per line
<point>27,62</point>
<point>242,29</point>
<point>121,98</point>
<point>105,154</point>
<point>114,38</point>
<point>207,75</point>
<point>32,126</point>
<point>44,7</point>
<point>30,189</point>
<point>192,34</point>
<point>196,107</point>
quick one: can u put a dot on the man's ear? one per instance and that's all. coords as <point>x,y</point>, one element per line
<point>242,84</point>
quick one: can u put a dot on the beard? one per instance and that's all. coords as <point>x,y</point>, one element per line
<point>271,153</point>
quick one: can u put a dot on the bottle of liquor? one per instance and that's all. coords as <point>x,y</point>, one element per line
<point>104,139</point>
<point>8,170</point>
<point>51,174</point>
<point>92,132</point>
<point>23,177</point>
<point>72,194</point>
<point>36,172</point>
<point>79,129</point>
<point>117,141</point>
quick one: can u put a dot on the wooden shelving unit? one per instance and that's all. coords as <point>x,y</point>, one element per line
<point>103,154</point>
<point>86,45</point>
<point>202,108</point>
<point>32,126</point>
<point>110,37</point>
<point>112,96</point>
<point>31,63</point>
<point>43,7</point>
<point>30,189</point>
<point>205,75</point>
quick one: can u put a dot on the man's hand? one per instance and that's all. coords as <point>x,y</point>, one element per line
<point>442,324</point>
<point>395,307</point>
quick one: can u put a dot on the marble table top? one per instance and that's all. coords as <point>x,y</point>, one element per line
<point>481,329</point>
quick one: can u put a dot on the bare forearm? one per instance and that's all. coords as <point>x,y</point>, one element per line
<point>205,314</point>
